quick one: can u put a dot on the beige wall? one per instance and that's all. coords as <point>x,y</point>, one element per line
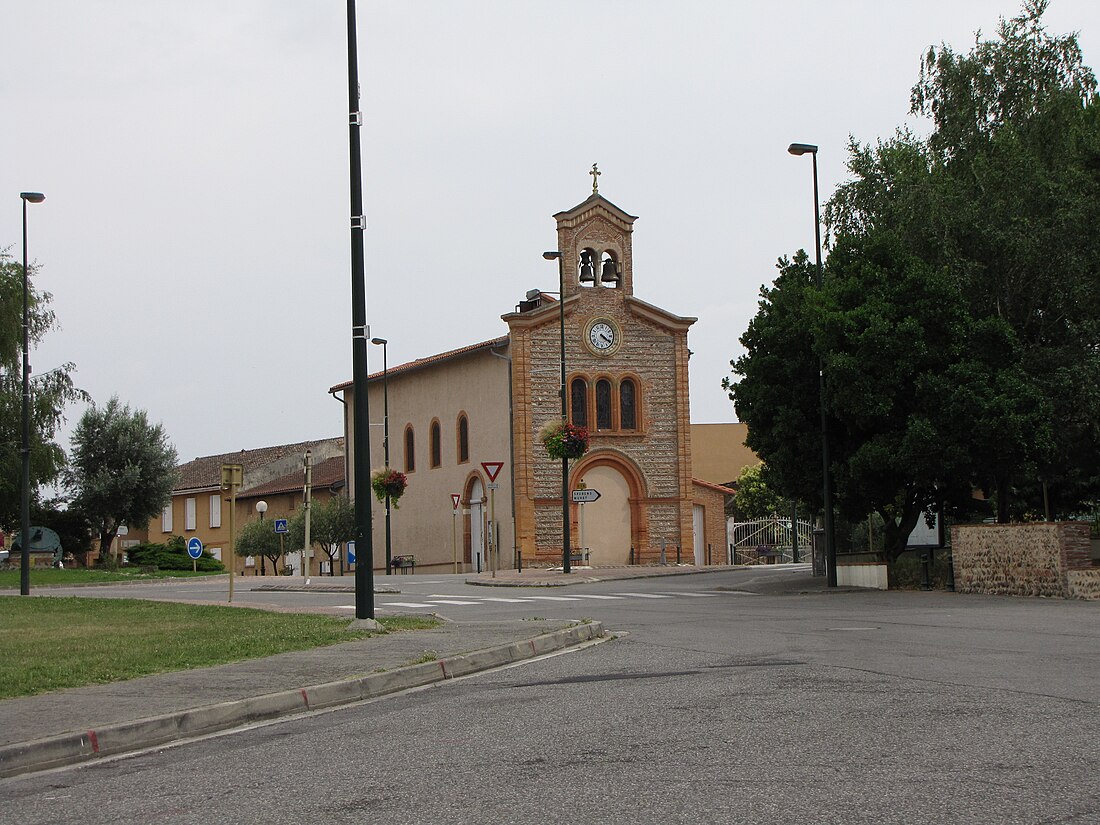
<point>475,383</point>
<point>719,452</point>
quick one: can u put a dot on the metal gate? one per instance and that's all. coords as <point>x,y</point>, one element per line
<point>766,540</point>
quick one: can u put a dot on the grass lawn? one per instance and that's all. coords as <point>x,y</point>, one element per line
<point>51,575</point>
<point>53,643</point>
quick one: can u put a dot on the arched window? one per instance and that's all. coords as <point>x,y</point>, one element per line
<point>435,437</point>
<point>628,409</point>
<point>410,452</point>
<point>463,439</point>
<point>603,404</point>
<point>578,402</point>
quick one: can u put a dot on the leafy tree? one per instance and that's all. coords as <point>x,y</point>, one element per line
<point>50,393</point>
<point>331,524</point>
<point>755,499</point>
<point>258,538</point>
<point>122,469</point>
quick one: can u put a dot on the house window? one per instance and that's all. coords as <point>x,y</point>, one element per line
<point>463,439</point>
<point>628,410</point>
<point>578,402</point>
<point>435,438</point>
<point>215,511</point>
<point>603,404</point>
<point>166,518</point>
<point>189,514</point>
<point>410,453</point>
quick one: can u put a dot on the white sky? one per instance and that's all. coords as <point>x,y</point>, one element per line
<point>194,157</point>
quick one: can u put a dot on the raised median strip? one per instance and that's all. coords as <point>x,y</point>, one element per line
<point>126,737</point>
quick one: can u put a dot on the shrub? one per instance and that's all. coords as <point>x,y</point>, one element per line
<point>171,556</point>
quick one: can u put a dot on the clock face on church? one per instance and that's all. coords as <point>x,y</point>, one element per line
<point>603,336</point>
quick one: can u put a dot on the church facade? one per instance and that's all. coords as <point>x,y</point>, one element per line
<point>626,382</point>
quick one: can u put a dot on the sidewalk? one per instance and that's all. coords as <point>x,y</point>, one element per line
<point>38,732</point>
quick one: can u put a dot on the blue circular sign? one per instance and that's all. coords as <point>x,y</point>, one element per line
<point>194,547</point>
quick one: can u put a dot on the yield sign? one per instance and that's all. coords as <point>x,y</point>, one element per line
<point>455,498</point>
<point>492,469</point>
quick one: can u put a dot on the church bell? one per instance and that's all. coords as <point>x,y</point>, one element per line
<point>610,274</point>
<point>588,272</point>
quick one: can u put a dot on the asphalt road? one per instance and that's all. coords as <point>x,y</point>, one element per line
<point>713,705</point>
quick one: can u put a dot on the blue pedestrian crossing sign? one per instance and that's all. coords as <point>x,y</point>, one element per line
<point>194,547</point>
<point>351,552</point>
<point>281,526</point>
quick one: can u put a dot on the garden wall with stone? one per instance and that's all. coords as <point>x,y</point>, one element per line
<point>1049,559</point>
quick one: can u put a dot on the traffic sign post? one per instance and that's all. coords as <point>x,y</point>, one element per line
<point>492,469</point>
<point>194,550</point>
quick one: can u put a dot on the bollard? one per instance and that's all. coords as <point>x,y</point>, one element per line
<point>632,554</point>
<point>519,560</point>
<point>708,555</point>
<point>479,562</point>
<point>950,573</point>
<point>729,554</point>
<point>925,572</point>
<point>677,554</point>
<point>663,560</point>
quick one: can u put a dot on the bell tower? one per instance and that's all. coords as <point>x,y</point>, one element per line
<point>594,240</point>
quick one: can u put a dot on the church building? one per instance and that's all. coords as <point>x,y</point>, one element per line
<point>455,416</point>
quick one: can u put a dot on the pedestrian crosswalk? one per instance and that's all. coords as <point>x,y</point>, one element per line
<point>436,600</point>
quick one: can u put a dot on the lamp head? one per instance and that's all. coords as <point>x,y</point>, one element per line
<point>532,294</point>
<point>380,341</point>
<point>261,507</point>
<point>551,256</point>
<point>32,197</point>
<point>802,149</point>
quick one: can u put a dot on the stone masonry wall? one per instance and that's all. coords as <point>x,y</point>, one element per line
<point>1049,559</point>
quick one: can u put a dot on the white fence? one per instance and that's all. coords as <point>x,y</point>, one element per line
<point>767,539</point>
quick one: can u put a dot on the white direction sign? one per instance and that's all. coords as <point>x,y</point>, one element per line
<point>585,496</point>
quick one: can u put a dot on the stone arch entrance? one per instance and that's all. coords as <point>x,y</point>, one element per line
<point>610,526</point>
<point>473,521</point>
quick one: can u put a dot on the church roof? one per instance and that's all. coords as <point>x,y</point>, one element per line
<point>593,200</point>
<point>430,360</point>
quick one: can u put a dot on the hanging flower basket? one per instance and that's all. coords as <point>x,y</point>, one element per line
<point>387,482</point>
<point>564,440</point>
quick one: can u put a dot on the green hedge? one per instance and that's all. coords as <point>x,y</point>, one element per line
<point>171,556</point>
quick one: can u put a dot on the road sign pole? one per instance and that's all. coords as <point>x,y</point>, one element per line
<point>493,524</point>
<point>455,498</point>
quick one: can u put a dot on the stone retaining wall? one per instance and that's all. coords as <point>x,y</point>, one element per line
<point>1049,559</point>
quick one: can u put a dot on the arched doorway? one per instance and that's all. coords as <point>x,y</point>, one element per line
<point>474,523</point>
<point>605,525</point>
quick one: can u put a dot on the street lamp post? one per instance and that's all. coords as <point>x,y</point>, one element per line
<point>565,540</point>
<point>827,492</point>
<point>382,342</point>
<point>25,515</point>
<point>360,425</point>
<point>261,508</point>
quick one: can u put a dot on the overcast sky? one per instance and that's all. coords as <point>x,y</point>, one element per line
<point>194,157</point>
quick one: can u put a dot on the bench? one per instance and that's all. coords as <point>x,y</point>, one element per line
<point>405,564</point>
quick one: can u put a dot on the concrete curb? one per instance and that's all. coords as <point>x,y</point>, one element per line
<point>125,737</point>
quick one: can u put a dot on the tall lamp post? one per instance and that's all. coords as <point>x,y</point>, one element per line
<point>565,540</point>
<point>827,492</point>
<point>364,547</point>
<point>25,516</point>
<point>261,508</point>
<point>382,342</point>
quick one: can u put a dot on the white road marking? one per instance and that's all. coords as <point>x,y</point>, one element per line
<point>450,601</point>
<point>556,598</point>
<point>594,596</point>
<point>692,595</point>
<point>644,595</point>
<point>494,599</point>
<point>407,604</point>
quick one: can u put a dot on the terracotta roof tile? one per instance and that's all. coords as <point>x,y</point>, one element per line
<point>328,474</point>
<point>205,471</point>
